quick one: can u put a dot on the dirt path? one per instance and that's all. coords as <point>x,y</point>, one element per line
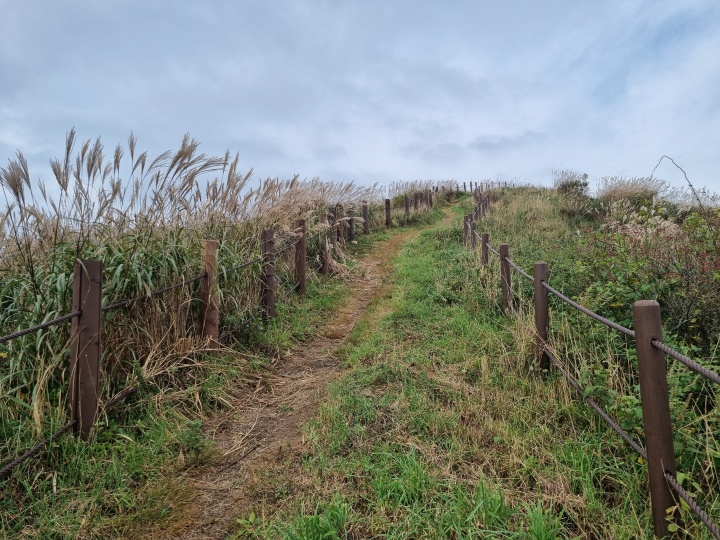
<point>262,434</point>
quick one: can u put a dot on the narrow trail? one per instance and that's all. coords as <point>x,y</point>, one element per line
<point>262,433</point>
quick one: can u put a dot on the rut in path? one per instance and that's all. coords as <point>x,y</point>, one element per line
<point>264,428</point>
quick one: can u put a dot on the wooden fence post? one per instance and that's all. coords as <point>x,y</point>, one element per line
<point>301,258</point>
<point>473,228</point>
<point>464,186</point>
<point>541,315</point>
<point>388,214</point>
<point>268,274</point>
<point>209,297</point>
<point>366,218</point>
<point>656,410</point>
<point>505,277</point>
<point>339,226</point>
<point>325,251</point>
<point>484,240</point>
<point>85,346</point>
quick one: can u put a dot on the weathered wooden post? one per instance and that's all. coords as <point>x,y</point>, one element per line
<point>484,239</point>
<point>366,218</point>
<point>209,294</point>
<point>473,228</point>
<point>656,410</point>
<point>325,247</point>
<point>541,315</point>
<point>301,257</point>
<point>388,214</point>
<point>351,228</point>
<point>268,274</point>
<point>85,346</point>
<point>505,277</point>
<point>464,187</point>
<point>339,226</point>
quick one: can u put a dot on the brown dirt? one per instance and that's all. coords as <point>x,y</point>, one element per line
<point>260,440</point>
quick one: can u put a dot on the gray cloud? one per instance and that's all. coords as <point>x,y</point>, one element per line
<point>373,90</point>
<point>500,143</point>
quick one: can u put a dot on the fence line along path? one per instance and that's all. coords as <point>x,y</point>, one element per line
<point>665,489</point>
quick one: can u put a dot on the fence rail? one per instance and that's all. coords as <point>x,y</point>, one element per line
<point>85,342</point>
<point>655,399</point>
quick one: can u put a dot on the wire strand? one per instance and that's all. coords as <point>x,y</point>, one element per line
<point>699,512</point>
<point>123,303</point>
<point>614,425</point>
<point>35,450</point>
<point>689,362</point>
<point>37,328</point>
<point>520,271</point>
<point>586,311</point>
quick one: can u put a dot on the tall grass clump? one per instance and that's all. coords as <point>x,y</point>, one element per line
<point>145,219</point>
<point>573,187</point>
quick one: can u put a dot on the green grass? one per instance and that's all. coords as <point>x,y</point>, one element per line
<point>130,473</point>
<point>439,429</point>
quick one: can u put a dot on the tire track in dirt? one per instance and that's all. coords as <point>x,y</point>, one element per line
<point>262,434</point>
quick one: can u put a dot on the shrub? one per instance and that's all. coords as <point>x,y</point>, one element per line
<point>571,183</point>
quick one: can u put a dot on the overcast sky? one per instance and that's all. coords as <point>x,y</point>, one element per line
<point>372,90</point>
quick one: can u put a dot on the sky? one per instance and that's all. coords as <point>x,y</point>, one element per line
<point>372,90</point>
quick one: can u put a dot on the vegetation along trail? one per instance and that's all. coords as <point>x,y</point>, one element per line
<point>261,434</point>
<point>438,425</point>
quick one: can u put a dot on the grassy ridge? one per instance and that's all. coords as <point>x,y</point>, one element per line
<point>438,430</point>
<point>131,472</point>
<point>589,260</point>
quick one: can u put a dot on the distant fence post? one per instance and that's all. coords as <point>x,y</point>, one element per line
<point>209,297</point>
<point>541,315</point>
<point>464,186</point>
<point>388,214</point>
<point>325,269</point>
<point>473,228</point>
<point>505,276</point>
<point>351,228</point>
<point>430,199</point>
<point>301,257</point>
<point>339,226</point>
<point>85,346</point>
<point>484,240</point>
<point>343,225</point>
<point>366,218</point>
<point>268,274</point>
<point>656,410</point>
